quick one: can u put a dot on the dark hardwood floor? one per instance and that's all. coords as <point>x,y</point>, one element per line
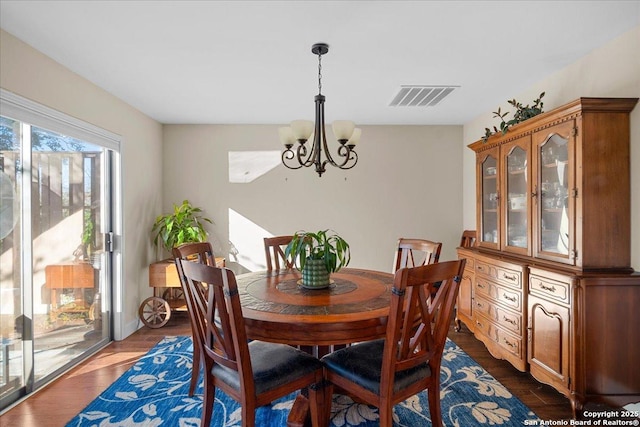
<point>61,400</point>
<point>544,400</point>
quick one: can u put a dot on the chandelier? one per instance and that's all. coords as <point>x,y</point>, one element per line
<point>301,131</point>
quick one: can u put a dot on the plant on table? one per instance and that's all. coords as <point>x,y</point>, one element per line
<point>317,255</point>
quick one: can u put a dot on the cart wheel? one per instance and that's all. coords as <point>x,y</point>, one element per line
<point>173,294</point>
<point>154,312</point>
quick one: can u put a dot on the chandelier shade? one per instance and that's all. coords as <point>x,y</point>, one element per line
<point>298,153</point>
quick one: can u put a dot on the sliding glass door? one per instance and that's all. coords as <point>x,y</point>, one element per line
<point>55,282</point>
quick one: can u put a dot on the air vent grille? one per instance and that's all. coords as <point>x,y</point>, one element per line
<point>421,96</point>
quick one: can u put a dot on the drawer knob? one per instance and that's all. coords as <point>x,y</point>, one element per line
<point>511,277</point>
<point>548,288</point>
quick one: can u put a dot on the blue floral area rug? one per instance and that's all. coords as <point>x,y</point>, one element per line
<point>154,392</point>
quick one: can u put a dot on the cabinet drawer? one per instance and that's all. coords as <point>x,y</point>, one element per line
<point>509,277</point>
<point>483,306</point>
<point>504,275</point>
<point>503,338</point>
<point>549,288</point>
<point>502,294</point>
<point>483,286</point>
<point>509,320</point>
<point>503,317</point>
<point>510,343</point>
<point>486,269</point>
<point>486,327</point>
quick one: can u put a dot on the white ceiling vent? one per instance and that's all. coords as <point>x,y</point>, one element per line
<point>420,96</point>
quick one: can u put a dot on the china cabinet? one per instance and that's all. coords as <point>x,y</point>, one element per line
<point>552,289</point>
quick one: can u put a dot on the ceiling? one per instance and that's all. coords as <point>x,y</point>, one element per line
<point>251,61</point>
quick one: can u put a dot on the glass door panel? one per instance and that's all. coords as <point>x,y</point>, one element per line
<point>12,318</point>
<point>517,206</point>
<point>67,214</point>
<point>490,201</point>
<point>555,206</point>
<point>54,280</point>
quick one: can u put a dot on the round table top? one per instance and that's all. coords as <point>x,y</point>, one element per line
<point>354,308</point>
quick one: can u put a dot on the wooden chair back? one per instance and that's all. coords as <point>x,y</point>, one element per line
<point>201,252</point>
<point>220,330</point>
<point>416,252</point>
<point>411,299</point>
<point>274,252</point>
<point>468,239</point>
<point>418,326</point>
<point>408,359</point>
<point>220,324</point>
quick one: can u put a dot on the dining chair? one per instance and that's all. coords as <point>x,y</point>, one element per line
<point>201,252</point>
<point>253,373</point>
<point>274,251</point>
<point>387,371</point>
<point>415,252</point>
<point>468,239</point>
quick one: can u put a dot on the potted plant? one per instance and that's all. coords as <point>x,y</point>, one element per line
<point>523,112</point>
<point>317,255</point>
<point>184,225</point>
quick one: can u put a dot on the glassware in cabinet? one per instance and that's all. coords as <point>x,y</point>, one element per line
<point>555,208</point>
<point>517,207</point>
<point>489,218</point>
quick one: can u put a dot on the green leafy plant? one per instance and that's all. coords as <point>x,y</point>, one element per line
<point>87,232</point>
<point>183,225</point>
<point>87,235</point>
<point>523,112</point>
<point>325,244</point>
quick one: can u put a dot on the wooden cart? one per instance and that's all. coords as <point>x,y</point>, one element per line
<point>155,311</point>
<point>77,277</point>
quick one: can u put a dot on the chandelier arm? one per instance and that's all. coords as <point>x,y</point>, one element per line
<point>343,151</point>
<point>288,154</point>
<point>320,124</point>
<point>303,158</point>
<point>310,159</point>
<point>349,154</point>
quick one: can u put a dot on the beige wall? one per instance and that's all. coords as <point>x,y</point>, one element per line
<point>610,71</point>
<point>30,74</point>
<point>407,183</point>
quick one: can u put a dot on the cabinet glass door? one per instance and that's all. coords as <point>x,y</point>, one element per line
<point>517,171</point>
<point>490,201</point>
<point>554,222</point>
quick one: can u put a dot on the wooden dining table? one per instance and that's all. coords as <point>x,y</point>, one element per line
<point>278,309</point>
